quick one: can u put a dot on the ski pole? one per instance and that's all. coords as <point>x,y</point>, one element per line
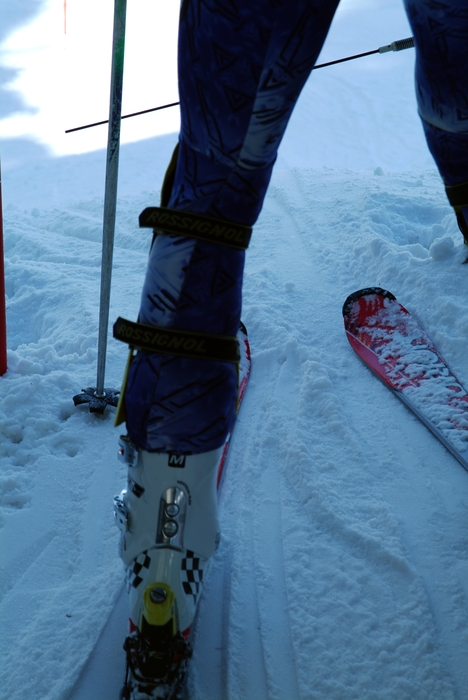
<point>399,45</point>
<point>99,397</point>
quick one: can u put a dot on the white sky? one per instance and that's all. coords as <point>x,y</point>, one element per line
<point>64,79</point>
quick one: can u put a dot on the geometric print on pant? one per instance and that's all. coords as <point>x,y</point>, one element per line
<point>142,561</point>
<point>242,66</point>
<point>440,31</point>
<point>191,575</point>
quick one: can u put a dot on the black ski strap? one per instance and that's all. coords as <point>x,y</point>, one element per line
<point>457,195</point>
<point>200,226</point>
<point>220,348</point>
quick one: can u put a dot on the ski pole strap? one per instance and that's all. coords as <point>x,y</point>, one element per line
<point>200,226</point>
<point>220,348</point>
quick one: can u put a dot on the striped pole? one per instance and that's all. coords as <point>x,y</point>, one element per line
<point>110,198</point>
<point>99,397</point>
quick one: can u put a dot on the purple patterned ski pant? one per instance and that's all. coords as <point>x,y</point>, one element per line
<point>242,65</point>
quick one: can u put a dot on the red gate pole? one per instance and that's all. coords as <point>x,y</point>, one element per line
<point>3,341</point>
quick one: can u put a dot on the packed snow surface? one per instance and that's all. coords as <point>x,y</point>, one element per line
<point>342,571</point>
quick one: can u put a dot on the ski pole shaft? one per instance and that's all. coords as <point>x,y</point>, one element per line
<point>399,45</point>
<point>110,196</point>
<point>124,116</point>
<point>343,60</point>
<point>3,339</point>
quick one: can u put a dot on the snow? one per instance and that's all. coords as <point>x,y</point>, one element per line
<point>342,571</point>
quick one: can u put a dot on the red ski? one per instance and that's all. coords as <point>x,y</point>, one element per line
<point>391,342</point>
<point>244,374</point>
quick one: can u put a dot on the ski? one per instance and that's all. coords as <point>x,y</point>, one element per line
<point>391,342</point>
<point>164,661</point>
<point>244,374</point>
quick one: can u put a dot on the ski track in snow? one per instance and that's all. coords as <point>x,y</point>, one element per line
<point>358,602</point>
<point>342,568</point>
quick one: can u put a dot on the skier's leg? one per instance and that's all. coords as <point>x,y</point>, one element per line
<point>441,36</point>
<point>241,68</point>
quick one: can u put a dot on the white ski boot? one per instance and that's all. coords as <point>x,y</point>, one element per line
<point>168,517</point>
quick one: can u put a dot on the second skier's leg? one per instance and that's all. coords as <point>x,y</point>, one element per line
<point>441,36</point>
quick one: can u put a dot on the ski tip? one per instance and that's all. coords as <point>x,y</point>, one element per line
<point>367,291</point>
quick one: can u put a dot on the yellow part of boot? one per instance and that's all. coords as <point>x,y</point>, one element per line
<point>160,606</point>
